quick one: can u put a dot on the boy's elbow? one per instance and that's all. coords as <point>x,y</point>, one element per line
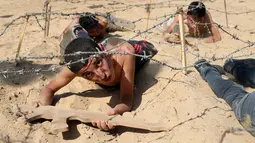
<point>217,39</point>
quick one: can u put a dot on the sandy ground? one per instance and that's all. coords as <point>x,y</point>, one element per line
<point>161,95</point>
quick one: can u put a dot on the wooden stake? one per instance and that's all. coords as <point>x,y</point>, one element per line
<point>46,19</point>
<point>226,13</point>
<point>148,11</point>
<point>183,52</point>
<point>21,39</point>
<point>48,22</point>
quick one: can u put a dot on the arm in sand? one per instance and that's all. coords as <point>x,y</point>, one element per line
<point>171,27</point>
<point>62,79</point>
<point>215,35</point>
<point>126,83</point>
<point>126,88</point>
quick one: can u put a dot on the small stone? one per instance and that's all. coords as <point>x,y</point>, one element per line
<point>10,98</point>
<point>229,115</point>
<point>15,95</point>
<point>43,78</point>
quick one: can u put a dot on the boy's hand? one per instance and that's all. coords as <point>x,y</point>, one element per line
<point>104,125</point>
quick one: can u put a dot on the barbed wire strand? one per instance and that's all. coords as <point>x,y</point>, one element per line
<point>97,53</point>
<point>161,4</point>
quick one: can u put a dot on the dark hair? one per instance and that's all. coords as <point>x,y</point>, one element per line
<point>88,21</point>
<point>197,9</point>
<point>80,44</point>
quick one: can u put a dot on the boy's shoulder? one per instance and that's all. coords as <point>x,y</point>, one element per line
<point>115,44</point>
<point>112,42</point>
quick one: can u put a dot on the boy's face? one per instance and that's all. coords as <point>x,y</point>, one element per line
<point>99,69</point>
<point>95,31</point>
<point>192,20</point>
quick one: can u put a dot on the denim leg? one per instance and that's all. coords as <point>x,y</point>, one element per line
<point>225,89</point>
<point>242,102</point>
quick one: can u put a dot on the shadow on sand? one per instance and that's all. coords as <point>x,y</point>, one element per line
<point>23,78</point>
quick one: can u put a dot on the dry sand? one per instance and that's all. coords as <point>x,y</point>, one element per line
<point>162,95</point>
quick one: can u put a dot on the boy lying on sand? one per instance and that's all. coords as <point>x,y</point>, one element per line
<point>104,69</point>
<point>98,24</point>
<point>198,21</point>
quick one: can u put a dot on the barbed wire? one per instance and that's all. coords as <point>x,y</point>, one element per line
<point>54,68</point>
<point>123,8</point>
<point>7,25</point>
<point>58,56</point>
<point>168,3</point>
<point>37,20</point>
<point>122,53</point>
<point>5,73</point>
<point>81,60</point>
<point>233,36</point>
<point>232,13</point>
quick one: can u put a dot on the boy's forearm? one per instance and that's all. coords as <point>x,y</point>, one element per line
<point>46,96</point>
<point>215,35</point>
<point>171,27</point>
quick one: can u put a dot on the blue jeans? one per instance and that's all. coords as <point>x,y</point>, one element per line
<point>241,102</point>
<point>244,71</point>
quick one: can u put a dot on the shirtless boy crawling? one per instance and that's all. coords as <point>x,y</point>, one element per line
<point>104,69</point>
<point>198,21</point>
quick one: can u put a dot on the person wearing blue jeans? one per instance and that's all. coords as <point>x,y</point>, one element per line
<point>241,102</point>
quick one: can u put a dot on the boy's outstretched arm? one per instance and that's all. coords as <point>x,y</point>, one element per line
<point>126,89</point>
<point>215,34</point>
<point>126,82</point>
<point>171,27</point>
<point>126,86</point>
<point>62,79</point>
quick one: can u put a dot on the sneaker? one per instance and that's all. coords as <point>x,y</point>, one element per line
<point>202,63</point>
